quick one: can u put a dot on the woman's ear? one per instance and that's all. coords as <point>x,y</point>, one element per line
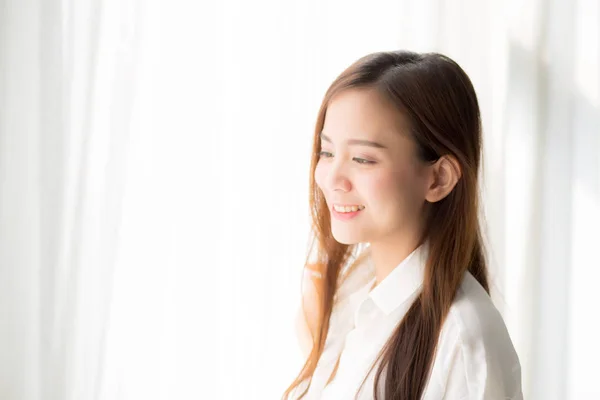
<point>444,174</point>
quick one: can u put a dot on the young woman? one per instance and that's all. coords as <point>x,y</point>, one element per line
<point>399,306</point>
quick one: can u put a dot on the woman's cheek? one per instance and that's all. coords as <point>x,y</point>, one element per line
<point>379,186</point>
<point>319,172</point>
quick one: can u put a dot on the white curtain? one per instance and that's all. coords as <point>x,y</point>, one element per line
<point>66,91</point>
<point>153,192</point>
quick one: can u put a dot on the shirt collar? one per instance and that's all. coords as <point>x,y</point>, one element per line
<point>401,283</point>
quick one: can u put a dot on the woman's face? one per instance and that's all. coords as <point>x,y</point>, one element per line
<point>369,160</point>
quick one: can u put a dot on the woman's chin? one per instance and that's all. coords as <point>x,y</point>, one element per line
<point>347,237</point>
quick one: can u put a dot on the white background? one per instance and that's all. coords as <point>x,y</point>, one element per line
<point>154,184</point>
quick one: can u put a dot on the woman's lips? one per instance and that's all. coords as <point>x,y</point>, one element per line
<point>345,216</point>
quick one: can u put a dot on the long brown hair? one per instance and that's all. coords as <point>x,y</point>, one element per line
<point>440,102</point>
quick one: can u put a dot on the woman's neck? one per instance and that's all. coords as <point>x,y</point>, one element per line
<point>386,256</point>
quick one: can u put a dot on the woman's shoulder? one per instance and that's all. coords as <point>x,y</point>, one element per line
<point>474,312</point>
<point>478,328</point>
<point>476,338</point>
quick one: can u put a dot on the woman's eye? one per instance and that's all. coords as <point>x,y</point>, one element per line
<point>363,161</point>
<point>358,160</point>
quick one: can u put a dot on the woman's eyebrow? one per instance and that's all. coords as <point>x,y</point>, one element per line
<point>360,142</point>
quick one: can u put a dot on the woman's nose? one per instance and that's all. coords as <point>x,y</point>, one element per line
<point>337,178</point>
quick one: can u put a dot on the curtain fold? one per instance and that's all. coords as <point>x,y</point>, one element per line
<point>66,92</point>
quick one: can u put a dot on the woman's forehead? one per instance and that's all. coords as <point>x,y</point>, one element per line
<point>363,114</point>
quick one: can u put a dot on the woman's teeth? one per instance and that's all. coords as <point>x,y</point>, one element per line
<point>345,209</point>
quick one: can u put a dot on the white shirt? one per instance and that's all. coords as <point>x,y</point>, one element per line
<point>475,359</point>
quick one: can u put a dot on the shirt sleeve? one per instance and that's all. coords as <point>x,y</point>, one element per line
<point>482,368</point>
